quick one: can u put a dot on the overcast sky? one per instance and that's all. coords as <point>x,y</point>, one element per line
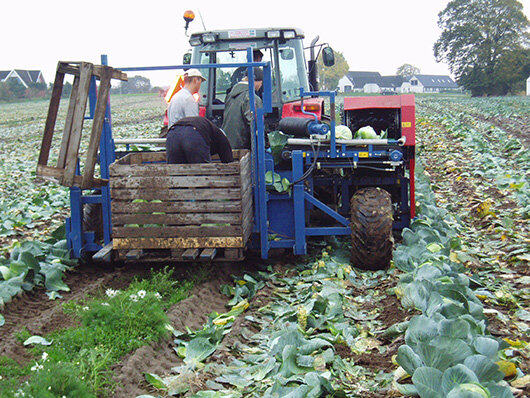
<point>374,35</point>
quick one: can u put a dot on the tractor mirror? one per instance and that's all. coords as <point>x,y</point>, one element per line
<point>328,56</point>
<point>186,59</point>
<point>286,54</point>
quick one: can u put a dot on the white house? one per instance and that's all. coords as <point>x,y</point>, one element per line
<point>355,81</point>
<point>371,88</point>
<point>25,77</point>
<point>431,83</point>
<point>373,82</point>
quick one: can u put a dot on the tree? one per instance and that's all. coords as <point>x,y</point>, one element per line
<point>407,71</point>
<point>330,75</point>
<point>16,88</point>
<point>135,84</point>
<point>480,40</point>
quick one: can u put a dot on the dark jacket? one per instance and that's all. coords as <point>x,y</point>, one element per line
<point>238,117</point>
<point>212,135</point>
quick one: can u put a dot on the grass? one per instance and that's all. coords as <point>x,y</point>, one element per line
<point>112,324</point>
<point>10,374</point>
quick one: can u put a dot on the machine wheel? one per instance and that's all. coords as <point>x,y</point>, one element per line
<point>93,220</point>
<point>371,229</point>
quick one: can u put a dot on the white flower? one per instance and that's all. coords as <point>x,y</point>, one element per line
<point>85,308</point>
<point>141,293</point>
<point>133,297</point>
<point>44,356</point>
<point>105,304</point>
<point>36,367</point>
<point>111,293</point>
<point>158,296</point>
<point>49,388</point>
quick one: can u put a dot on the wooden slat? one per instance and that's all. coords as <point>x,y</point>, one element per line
<point>66,67</point>
<point>85,70</point>
<point>208,254</point>
<point>154,170</point>
<point>176,207</point>
<point>57,175</point>
<point>68,124</point>
<point>134,254</point>
<point>177,194</point>
<point>97,127</point>
<point>151,156</point>
<point>104,255</point>
<point>177,243</point>
<point>223,181</point>
<point>51,119</point>
<point>177,219</point>
<point>190,254</point>
<point>172,232</point>
<point>247,221</point>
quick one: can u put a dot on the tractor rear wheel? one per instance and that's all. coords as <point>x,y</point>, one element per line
<point>371,229</point>
<point>93,220</point>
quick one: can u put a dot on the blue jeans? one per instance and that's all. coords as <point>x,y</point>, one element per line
<point>184,144</point>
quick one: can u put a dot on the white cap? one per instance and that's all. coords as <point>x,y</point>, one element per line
<point>194,73</point>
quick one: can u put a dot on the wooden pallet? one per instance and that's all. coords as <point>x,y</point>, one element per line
<point>65,171</point>
<point>176,207</point>
<point>181,255</point>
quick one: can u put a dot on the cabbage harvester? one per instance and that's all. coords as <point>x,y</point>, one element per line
<point>362,188</point>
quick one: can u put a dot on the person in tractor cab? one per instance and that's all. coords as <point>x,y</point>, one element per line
<point>241,72</point>
<point>183,104</point>
<point>237,115</point>
<point>194,140</point>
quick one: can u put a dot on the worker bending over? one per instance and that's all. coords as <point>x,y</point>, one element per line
<point>194,139</point>
<point>183,104</point>
<point>237,116</point>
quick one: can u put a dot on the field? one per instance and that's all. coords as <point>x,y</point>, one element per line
<point>450,318</point>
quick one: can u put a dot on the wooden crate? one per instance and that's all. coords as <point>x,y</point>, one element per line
<point>180,206</point>
<point>67,162</point>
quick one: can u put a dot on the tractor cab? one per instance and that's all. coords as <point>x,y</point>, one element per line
<point>282,47</point>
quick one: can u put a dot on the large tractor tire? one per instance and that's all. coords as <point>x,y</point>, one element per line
<point>371,229</point>
<point>93,220</point>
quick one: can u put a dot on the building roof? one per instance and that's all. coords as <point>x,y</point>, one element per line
<point>27,76</point>
<point>436,81</point>
<point>360,78</point>
<point>391,81</point>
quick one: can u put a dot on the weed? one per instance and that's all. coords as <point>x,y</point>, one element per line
<point>10,374</point>
<point>111,325</point>
<point>23,334</point>
<point>56,380</point>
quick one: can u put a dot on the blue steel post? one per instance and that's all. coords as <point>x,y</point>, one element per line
<point>106,158</point>
<point>76,220</point>
<point>300,246</point>
<point>333,144</point>
<point>258,145</point>
<point>260,121</point>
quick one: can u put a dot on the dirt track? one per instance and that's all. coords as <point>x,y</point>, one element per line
<point>191,312</point>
